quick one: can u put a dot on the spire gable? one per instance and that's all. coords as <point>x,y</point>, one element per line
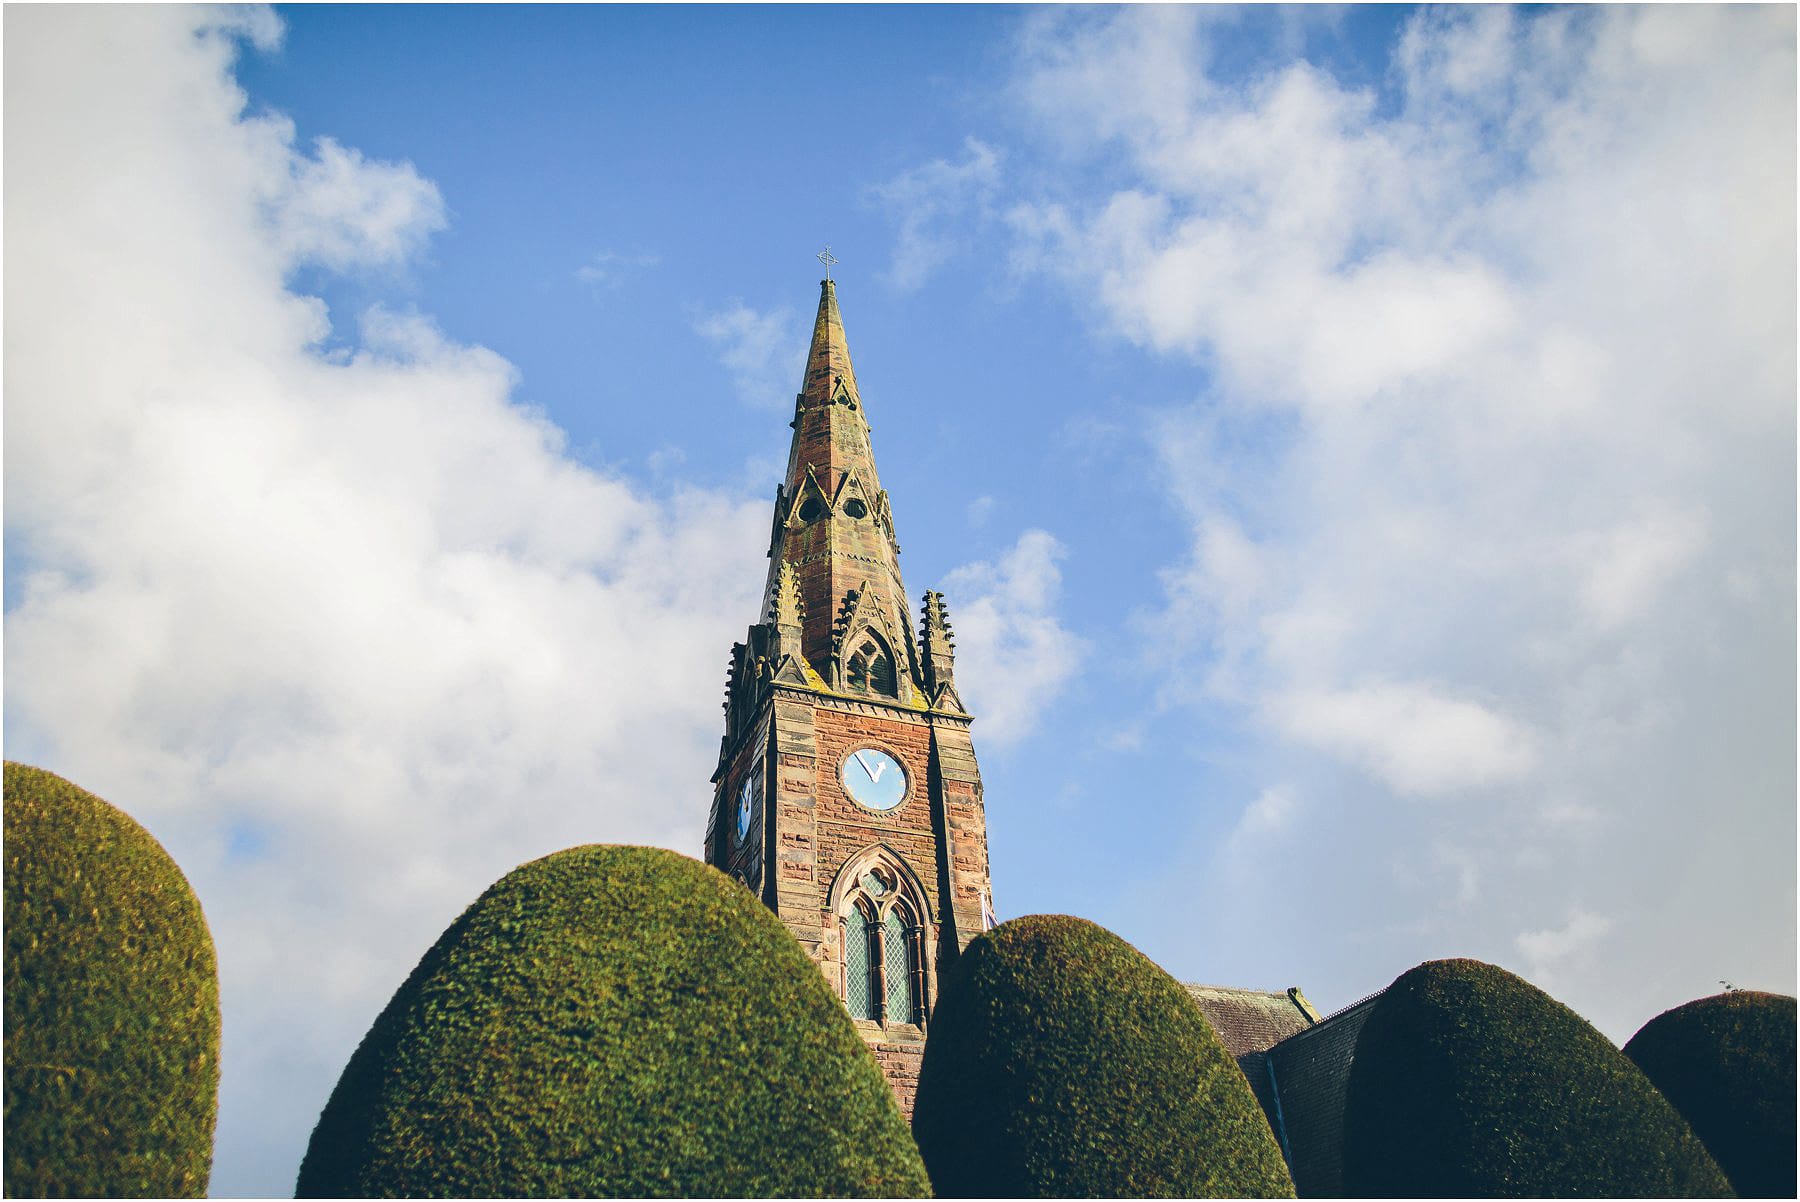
<point>861,635</point>
<point>808,504</point>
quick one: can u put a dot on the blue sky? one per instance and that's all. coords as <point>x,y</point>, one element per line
<point>1356,445</point>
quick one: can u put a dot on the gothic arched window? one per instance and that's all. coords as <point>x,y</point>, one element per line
<point>871,669</point>
<point>884,949</point>
<point>898,938</point>
<point>860,963</point>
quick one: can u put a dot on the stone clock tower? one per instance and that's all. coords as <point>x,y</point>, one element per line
<point>846,795</point>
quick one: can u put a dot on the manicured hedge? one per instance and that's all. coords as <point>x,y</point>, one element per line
<point>112,1003</point>
<point>613,1021</point>
<point>1062,1063</point>
<point>1469,1082</point>
<point>1727,1063</point>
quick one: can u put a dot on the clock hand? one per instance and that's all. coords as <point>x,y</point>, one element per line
<point>874,777</point>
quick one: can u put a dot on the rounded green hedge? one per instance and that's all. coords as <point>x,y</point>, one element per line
<point>1727,1063</point>
<point>1469,1082</point>
<point>1061,1062</point>
<point>112,1003</point>
<point>613,1021</point>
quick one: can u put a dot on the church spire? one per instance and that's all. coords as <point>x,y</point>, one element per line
<point>831,435</point>
<point>828,371</point>
<point>846,793</point>
<point>833,529</point>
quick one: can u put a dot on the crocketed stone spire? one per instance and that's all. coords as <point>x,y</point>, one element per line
<point>833,528</point>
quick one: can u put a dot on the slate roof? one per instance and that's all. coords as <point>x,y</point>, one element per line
<point>1311,1074</point>
<point>1250,1020</point>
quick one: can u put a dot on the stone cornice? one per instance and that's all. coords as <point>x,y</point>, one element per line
<point>825,699</point>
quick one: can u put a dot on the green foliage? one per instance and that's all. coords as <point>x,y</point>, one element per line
<point>112,1003</point>
<point>613,1021</point>
<point>1469,1082</point>
<point>1727,1063</point>
<point>1063,1063</point>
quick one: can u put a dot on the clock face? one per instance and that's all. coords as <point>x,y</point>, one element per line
<point>746,805</point>
<point>875,779</point>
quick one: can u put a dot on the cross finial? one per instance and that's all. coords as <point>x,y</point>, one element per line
<point>826,257</point>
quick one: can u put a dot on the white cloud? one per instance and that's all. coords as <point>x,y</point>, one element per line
<point>759,349</point>
<point>1632,562</point>
<point>1492,482</point>
<point>609,267</point>
<point>1416,740</point>
<point>1271,815</point>
<point>350,633</point>
<point>1460,867</point>
<point>1548,954</point>
<point>1013,654</point>
<point>340,210</point>
<point>924,201</point>
<point>1125,739</point>
<point>1091,79</point>
<point>1577,935</point>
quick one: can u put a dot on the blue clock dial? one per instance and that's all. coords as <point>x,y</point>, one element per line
<point>875,779</point>
<point>746,806</point>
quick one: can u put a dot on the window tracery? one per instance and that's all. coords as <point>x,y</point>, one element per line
<point>871,669</point>
<point>884,946</point>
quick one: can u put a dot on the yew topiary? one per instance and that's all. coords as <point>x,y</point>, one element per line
<point>1469,1082</point>
<point>1727,1063</point>
<point>112,1003</point>
<point>613,1021</point>
<point>1061,1062</point>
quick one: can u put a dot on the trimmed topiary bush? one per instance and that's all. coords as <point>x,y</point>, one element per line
<point>613,1021</point>
<point>1061,1062</point>
<point>1727,1063</point>
<point>112,1003</point>
<point>1469,1082</point>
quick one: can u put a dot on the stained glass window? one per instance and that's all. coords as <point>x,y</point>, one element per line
<point>897,961</point>
<point>856,967</point>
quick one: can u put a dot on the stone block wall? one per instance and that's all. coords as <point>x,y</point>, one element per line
<point>899,1060</point>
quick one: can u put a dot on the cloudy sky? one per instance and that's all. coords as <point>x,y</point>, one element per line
<point>1357,447</point>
